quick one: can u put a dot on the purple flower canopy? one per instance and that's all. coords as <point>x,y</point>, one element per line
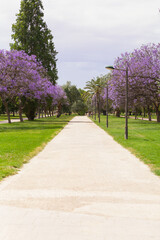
<point>22,76</point>
<point>144,77</point>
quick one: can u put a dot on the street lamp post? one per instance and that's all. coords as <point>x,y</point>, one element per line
<point>107,105</point>
<point>92,106</point>
<point>126,106</point>
<point>95,107</point>
<point>126,97</point>
<point>99,113</point>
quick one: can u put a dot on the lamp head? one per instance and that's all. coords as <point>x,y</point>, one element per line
<point>110,67</point>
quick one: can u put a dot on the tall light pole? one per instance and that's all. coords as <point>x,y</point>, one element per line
<point>126,106</point>
<point>98,101</point>
<point>126,97</point>
<point>95,102</point>
<point>92,106</point>
<point>107,105</point>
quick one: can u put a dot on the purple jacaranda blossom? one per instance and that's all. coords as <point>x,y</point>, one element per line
<point>23,78</point>
<point>144,78</point>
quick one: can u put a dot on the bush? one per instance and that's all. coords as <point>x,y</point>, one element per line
<point>79,107</point>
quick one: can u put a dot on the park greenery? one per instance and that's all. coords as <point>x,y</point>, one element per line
<point>143,141</point>
<point>76,102</point>
<point>143,69</point>
<point>31,34</point>
<point>28,87</point>
<point>144,79</point>
<point>28,71</point>
<point>143,66</point>
<point>21,141</point>
<point>25,84</point>
<point>96,89</point>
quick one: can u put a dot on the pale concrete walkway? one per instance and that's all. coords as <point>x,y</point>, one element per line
<point>12,120</point>
<point>82,186</point>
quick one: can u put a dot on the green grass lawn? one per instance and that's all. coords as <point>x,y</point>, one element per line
<point>153,116</point>
<point>21,141</point>
<point>144,138</point>
<point>4,117</point>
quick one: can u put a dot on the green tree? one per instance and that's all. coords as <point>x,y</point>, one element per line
<point>95,88</point>
<point>79,107</point>
<point>2,108</point>
<point>73,95</point>
<point>87,99</point>
<point>31,34</point>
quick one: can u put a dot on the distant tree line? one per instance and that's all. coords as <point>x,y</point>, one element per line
<point>75,101</point>
<point>143,66</point>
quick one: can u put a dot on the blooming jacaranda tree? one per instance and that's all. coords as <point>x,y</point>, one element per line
<point>60,99</point>
<point>144,78</point>
<point>24,82</point>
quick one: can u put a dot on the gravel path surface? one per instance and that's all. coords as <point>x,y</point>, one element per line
<point>82,186</point>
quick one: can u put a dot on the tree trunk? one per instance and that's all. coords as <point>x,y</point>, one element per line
<point>144,112</point>
<point>149,114</point>
<point>39,113</point>
<point>135,116</point>
<point>118,112</point>
<point>158,115</point>
<point>95,108</point>
<point>59,110</point>
<point>30,109</point>
<point>92,109</point>
<point>157,107</point>
<point>7,111</point>
<point>20,113</point>
<point>99,111</point>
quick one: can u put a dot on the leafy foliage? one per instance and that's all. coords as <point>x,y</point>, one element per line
<point>31,34</point>
<point>143,66</point>
<point>79,107</point>
<point>21,141</point>
<point>72,94</point>
<point>95,88</point>
<point>24,82</point>
<point>144,138</point>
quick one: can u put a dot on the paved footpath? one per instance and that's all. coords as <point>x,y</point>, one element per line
<point>12,120</point>
<point>82,186</point>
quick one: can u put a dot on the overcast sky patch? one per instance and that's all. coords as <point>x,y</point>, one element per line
<point>90,34</point>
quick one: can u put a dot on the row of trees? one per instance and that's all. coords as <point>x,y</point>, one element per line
<point>144,79</point>
<point>75,100</point>
<point>25,84</point>
<point>143,67</point>
<point>95,89</point>
<point>28,72</point>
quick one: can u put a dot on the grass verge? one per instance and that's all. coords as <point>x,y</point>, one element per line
<point>4,117</point>
<point>144,138</point>
<point>21,141</point>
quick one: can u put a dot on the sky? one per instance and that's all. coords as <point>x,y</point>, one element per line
<point>90,34</point>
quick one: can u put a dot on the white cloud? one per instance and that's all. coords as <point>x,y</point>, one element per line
<point>89,34</point>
